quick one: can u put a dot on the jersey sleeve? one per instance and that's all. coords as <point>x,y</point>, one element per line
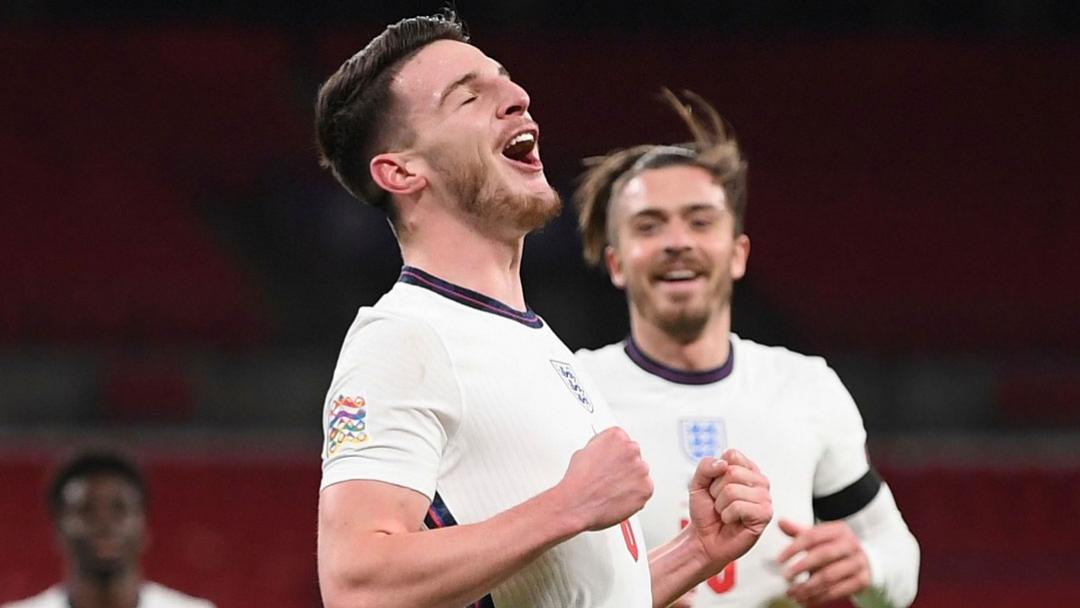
<point>392,405</point>
<point>890,549</point>
<point>843,470</point>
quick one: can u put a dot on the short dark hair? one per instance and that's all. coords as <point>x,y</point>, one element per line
<point>713,149</point>
<point>355,108</point>
<point>94,463</point>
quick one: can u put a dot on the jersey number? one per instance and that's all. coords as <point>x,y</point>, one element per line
<point>722,582</point>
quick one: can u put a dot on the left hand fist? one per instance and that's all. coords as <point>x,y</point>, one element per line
<point>833,558</point>
<point>730,506</point>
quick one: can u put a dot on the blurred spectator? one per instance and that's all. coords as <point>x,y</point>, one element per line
<point>98,505</point>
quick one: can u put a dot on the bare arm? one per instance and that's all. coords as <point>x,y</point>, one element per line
<point>373,552</point>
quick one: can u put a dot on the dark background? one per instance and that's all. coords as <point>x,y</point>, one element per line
<point>178,273</point>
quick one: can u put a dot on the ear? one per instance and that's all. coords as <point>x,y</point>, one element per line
<point>393,172</point>
<point>614,267</point>
<point>739,256</point>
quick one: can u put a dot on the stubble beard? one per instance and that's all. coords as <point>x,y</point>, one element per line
<point>683,322</point>
<point>489,204</point>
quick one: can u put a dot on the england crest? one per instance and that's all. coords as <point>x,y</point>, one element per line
<point>701,437</point>
<point>570,379</point>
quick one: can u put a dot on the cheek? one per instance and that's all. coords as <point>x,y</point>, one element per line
<point>641,260</point>
<point>72,527</point>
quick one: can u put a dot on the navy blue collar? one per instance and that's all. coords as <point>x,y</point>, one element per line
<point>468,297</point>
<point>679,376</point>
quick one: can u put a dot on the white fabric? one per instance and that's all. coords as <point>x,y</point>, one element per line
<point>152,595</point>
<point>486,411</point>
<point>890,548</point>
<point>789,413</point>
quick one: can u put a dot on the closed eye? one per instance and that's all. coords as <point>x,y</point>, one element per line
<point>703,218</point>
<point>469,100</point>
<point>646,227</point>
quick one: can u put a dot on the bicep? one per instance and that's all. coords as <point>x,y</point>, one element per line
<point>361,506</point>
<point>352,513</point>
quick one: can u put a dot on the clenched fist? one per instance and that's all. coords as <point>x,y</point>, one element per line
<point>730,506</point>
<point>607,481</point>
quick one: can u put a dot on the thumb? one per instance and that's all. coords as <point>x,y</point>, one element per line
<point>707,470</point>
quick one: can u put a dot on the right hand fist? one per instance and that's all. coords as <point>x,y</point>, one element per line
<point>607,481</point>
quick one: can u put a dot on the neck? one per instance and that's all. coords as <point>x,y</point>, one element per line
<point>119,591</point>
<point>459,253</point>
<point>707,349</point>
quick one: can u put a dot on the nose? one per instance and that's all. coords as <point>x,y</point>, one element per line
<point>515,100</point>
<point>677,238</point>
<point>102,518</point>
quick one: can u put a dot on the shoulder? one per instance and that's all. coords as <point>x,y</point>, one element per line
<point>602,359</point>
<point>160,596</point>
<point>779,362</point>
<point>53,597</point>
<point>379,332</point>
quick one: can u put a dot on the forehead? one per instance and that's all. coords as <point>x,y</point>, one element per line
<point>426,74</point>
<point>98,487</point>
<point>669,189</point>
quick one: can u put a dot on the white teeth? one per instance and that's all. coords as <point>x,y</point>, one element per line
<point>677,275</point>
<point>520,138</point>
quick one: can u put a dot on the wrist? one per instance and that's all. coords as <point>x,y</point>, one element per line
<point>555,505</point>
<point>691,551</point>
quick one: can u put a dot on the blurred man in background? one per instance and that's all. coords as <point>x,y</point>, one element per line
<point>667,223</point>
<point>98,505</point>
<point>453,406</point>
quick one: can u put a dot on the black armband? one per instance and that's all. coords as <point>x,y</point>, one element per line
<point>850,500</point>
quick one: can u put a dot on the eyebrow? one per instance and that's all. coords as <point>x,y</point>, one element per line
<point>464,80</point>
<point>651,213</point>
<point>696,207</point>
<point>685,209</point>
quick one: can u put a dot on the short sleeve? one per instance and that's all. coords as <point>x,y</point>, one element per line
<point>392,404</point>
<point>840,426</point>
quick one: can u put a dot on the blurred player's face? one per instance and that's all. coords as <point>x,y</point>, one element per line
<point>101,524</point>
<point>474,134</point>
<point>675,252</point>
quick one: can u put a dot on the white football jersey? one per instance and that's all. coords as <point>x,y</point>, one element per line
<point>479,407</point>
<point>152,595</point>
<point>787,412</point>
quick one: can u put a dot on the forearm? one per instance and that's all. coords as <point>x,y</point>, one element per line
<point>676,567</point>
<point>892,551</point>
<point>451,566</point>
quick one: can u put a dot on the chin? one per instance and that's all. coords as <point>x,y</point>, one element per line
<point>682,322</point>
<point>105,569</point>
<point>535,210</point>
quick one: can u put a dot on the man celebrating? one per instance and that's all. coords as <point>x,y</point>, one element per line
<point>98,504</point>
<point>667,223</point>
<point>466,460</point>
